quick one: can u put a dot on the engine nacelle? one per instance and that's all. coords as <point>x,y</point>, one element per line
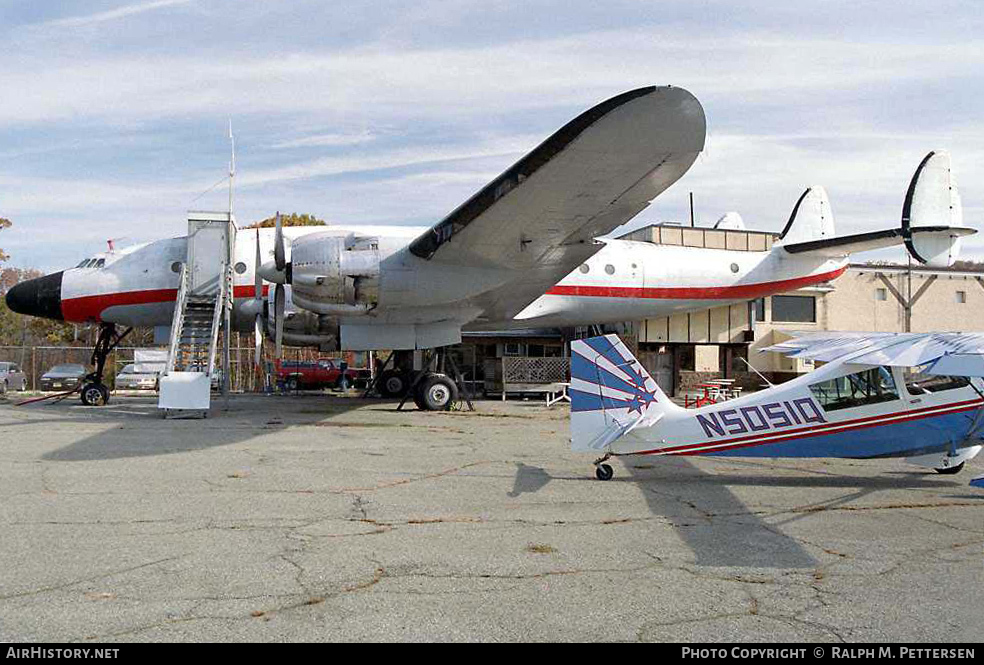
<point>335,275</point>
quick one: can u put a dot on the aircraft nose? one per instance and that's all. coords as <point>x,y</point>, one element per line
<point>38,297</point>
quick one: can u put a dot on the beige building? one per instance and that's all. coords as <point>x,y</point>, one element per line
<point>688,349</point>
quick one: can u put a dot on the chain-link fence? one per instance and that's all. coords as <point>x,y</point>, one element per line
<point>34,361</point>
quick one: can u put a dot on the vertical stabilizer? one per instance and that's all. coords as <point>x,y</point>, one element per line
<point>932,208</point>
<point>611,393</point>
<point>811,218</point>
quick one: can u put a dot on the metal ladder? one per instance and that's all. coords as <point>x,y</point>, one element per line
<point>201,309</point>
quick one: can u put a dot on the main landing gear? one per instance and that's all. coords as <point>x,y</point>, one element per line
<point>94,392</point>
<point>436,388</point>
<point>603,471</point>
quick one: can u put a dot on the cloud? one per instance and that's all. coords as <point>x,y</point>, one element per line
<point>389,112</point>
<point>114,14</point>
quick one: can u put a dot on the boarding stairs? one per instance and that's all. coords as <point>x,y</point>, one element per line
<point>201,310</point>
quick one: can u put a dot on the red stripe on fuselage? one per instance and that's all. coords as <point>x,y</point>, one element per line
<point>736,291</point>
<point>90,308</point>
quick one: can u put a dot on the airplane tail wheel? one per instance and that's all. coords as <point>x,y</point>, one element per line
<point>393,384</point>
<point>950,470</point>
<point>438,393</point>
<point>95,394</point>
<point>604,472</point>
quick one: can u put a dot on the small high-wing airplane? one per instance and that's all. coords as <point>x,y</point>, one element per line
<point>914,395</point>
<point>520,253</point>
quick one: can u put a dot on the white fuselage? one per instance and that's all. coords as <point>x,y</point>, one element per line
<point>623,281</point>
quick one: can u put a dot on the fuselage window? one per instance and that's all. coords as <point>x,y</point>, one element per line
<point>871,386</point>
<point>920,383</point>
<point>240,268</point>
<point>584,268</point>
<point>610,269</point>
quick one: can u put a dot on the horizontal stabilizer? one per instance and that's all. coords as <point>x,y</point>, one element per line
<point>863,242</point>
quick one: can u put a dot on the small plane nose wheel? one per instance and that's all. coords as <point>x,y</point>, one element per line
<point>602,470</point>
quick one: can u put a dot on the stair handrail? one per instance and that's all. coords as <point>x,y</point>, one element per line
<point>177,319</point>
<point>217,315</point>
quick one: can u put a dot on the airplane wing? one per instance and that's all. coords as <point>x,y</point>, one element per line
<point>537,220</point>
<point>953,354</point>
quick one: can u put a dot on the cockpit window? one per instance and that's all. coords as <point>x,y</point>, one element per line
<point>100,263</point>
<point>868,387</point>
<point>917,382</point>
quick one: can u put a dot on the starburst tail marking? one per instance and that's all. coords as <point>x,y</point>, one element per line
<point>610,392</point>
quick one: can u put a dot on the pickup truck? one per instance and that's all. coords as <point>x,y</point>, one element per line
<point>321,373</point>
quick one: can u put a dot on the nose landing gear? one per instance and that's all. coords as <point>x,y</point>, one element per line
<point>94,392</point>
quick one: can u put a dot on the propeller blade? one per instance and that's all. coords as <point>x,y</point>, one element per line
<point>279,254</point>
<point>258,293</point>
<point>258,341</point>
<point>278,319</point>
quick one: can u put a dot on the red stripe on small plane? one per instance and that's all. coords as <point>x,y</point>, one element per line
<point>712,445</point>
<point>90,308</point>
<point>739,291</point>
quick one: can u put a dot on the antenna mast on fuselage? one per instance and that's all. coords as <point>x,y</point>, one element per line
<point>232,165</point>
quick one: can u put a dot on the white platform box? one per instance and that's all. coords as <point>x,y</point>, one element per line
<point>184,391</point>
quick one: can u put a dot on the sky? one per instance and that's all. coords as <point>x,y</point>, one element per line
<point>114,118</point>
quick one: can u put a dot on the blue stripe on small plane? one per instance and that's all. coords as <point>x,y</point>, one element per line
<point>604,347</point>
<point>584,369</point>
<point>582,401</point>
<point>910,437</point>
<point>978,481</point>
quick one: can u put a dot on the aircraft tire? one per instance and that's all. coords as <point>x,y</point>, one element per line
<point>437,392</point>
<point>604,472</point>
<point>94,394</point>
<point>393,384</point>
<point>950,470</point>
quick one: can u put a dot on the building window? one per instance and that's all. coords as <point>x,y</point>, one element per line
<point>758,309</point>
<point>795,309</point>
<point>961,296</point>
<point>881,294</point>
<point>871,386</point>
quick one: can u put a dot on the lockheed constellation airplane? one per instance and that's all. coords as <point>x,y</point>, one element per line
<point>520,253</point>
<point>912,395</point>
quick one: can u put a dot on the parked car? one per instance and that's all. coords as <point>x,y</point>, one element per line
<point>11,377</point>
<point>130,379</point>
<point>322,373</point>
<point>63,377</point>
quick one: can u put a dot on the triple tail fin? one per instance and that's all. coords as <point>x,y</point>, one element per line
<point>611,393</point>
